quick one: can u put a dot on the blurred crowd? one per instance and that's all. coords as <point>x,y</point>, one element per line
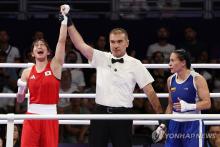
<point>84,81</point>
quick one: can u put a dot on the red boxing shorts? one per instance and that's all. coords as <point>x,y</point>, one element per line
<point>40,133</point>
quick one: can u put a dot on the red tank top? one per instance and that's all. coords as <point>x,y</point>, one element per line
<point>43,86</point>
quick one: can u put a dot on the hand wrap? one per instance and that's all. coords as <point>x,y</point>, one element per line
<point>187,106</point>
<point>22,86</point>
<point>159,133</point>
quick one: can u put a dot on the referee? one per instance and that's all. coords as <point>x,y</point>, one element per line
<point>117,75</point>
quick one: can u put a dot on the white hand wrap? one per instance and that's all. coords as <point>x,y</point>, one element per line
<point>65,10</point>
<point>21,90</point>
<point>187,106</point>
<point>159,133</point>
<point>21,86</point>
<point>64,20</point>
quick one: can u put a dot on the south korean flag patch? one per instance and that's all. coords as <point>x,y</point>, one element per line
<point>47,73</point>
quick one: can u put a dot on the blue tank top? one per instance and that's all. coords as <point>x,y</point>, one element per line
<point>184,90</point>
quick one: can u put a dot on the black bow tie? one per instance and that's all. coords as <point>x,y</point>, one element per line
<point>121,60</point>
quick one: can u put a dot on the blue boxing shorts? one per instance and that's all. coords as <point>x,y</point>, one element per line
<point>185,134</point>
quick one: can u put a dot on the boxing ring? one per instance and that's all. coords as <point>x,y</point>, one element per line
<point>138,119</point>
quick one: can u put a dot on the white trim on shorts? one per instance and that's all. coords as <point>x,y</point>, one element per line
<point>185,120</point>
<point>201,135</point>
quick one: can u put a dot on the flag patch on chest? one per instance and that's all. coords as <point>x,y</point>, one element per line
<point>173,89</point>
<point>47,73</point>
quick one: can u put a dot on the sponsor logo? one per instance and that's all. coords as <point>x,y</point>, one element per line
<point>32,77</point>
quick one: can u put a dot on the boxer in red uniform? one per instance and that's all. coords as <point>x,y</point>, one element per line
<point>43,82</point>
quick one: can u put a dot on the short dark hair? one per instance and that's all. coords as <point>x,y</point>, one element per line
<point>183,55</point>
<point>119,31</point>
<point>43,40</point>
<point>47,45</point>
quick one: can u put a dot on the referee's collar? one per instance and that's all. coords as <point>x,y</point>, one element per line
<point>124,56</point>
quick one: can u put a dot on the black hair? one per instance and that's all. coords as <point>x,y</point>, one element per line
<point>44,41</point>
<point>157,52</point>
<point>46,44</point>
<point>183,55</point>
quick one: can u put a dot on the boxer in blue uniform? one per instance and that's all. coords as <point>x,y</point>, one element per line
<point>188,94</point>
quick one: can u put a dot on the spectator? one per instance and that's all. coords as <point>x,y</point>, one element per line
<point>78,80</point>
<point>1,142</point>
<point>65,87</point>
<point>71,48</point>
<point>191,43</point>
<point>215,53</point>
<point>90,103</point>
<point>157,57</point>
<point>38,35</point>
<point>162,45</point>
<point>76,133</point>
<point>28,58</point>
<point>12,56</point>
<point>213,136</point>
<point>101,43</point>
<point>131,9</point>
<point>159,74</point>
<point>7,85</point>
<point>11,51</point>
<point>216,83</point>
<point>206,73</point>
<point>92,84</point>
<point>16,136</point>
<point>163,4</point>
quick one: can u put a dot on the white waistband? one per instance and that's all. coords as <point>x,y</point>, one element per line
<point>185,113</point>
<point>42,108</point>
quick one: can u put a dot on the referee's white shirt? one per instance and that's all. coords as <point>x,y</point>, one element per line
<point>116,82</point>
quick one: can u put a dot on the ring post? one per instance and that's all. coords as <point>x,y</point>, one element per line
<point>10,130</point>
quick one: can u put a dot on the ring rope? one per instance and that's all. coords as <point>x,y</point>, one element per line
<point>135,122</point>
<point>83,95</point>
<point>24,65</point>
<point>12,116</point>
